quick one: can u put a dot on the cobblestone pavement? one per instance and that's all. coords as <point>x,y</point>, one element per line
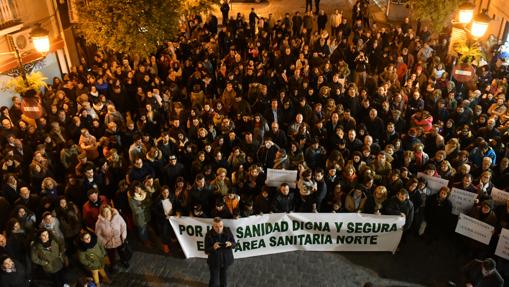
<point>284,269</point>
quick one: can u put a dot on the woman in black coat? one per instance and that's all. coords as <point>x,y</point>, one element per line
<point>438,213</point>
<point>12,273</point>
<point>164,207</point>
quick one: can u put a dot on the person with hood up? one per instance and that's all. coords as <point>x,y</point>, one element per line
<point>139,201</point>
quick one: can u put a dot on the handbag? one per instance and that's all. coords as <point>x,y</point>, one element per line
<point>125,252</point>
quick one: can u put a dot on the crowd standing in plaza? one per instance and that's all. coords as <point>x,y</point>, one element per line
<point>357,108</point>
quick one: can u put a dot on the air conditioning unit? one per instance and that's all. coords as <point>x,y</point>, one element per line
<point>21,40</point>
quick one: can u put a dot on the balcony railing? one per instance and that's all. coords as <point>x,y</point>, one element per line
<point>9,13</point>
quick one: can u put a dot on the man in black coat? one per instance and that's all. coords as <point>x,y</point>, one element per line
<point>219,242</point>
<point>400,204</point>
<point>172,170</point>
<point>284,200</point>
<point>225,9</point>
<point>296,23</point>
<point>267,152</point>
<point>482,273</point>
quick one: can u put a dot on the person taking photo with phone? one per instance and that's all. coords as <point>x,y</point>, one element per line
<point>219,243</point>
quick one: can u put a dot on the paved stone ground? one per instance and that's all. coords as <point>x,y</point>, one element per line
<point>285,269</point>
<point>418,263</point>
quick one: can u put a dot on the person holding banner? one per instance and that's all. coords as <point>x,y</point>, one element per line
<point>485,185</point>
<point>284,200</point>
<point>484,213</point>
<point>219,243</point>
<point>400,204</point>
<point>466,184</point>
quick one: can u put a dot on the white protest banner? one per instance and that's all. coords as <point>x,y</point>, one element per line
<point>502,249</point>
<point>475,229</point>
<point>462,200</point>
<point>499,196</point>
<point>282,232</point>
<point>434,183</point>
<point>275,177</point>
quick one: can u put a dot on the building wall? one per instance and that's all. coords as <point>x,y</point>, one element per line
<point>499,11</point>
<point>46,13</point>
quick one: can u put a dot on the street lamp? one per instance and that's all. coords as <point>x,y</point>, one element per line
<point>40,39</point>
<point>465,33</point>
<point>466,12</point>
<point>480,25</point>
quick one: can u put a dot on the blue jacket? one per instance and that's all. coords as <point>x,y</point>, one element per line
<point>476,156</point>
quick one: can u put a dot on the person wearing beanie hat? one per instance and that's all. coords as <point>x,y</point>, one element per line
<point>482,273</point>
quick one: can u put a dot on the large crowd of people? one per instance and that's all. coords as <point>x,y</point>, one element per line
<point>356,107</point>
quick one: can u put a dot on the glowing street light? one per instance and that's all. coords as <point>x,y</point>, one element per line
<point>40,39</point>
<point>480,25</point>
<point>466,12</point>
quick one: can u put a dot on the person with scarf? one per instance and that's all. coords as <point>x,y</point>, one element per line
<point>140,203</point>
<point>52,224</point>
<point>355,200</point>
<point>49,254</point>
<point>91,254</point>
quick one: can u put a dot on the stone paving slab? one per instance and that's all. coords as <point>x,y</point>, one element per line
<point>285,269</point>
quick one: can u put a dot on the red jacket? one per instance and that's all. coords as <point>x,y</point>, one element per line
<point>91,211</point>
